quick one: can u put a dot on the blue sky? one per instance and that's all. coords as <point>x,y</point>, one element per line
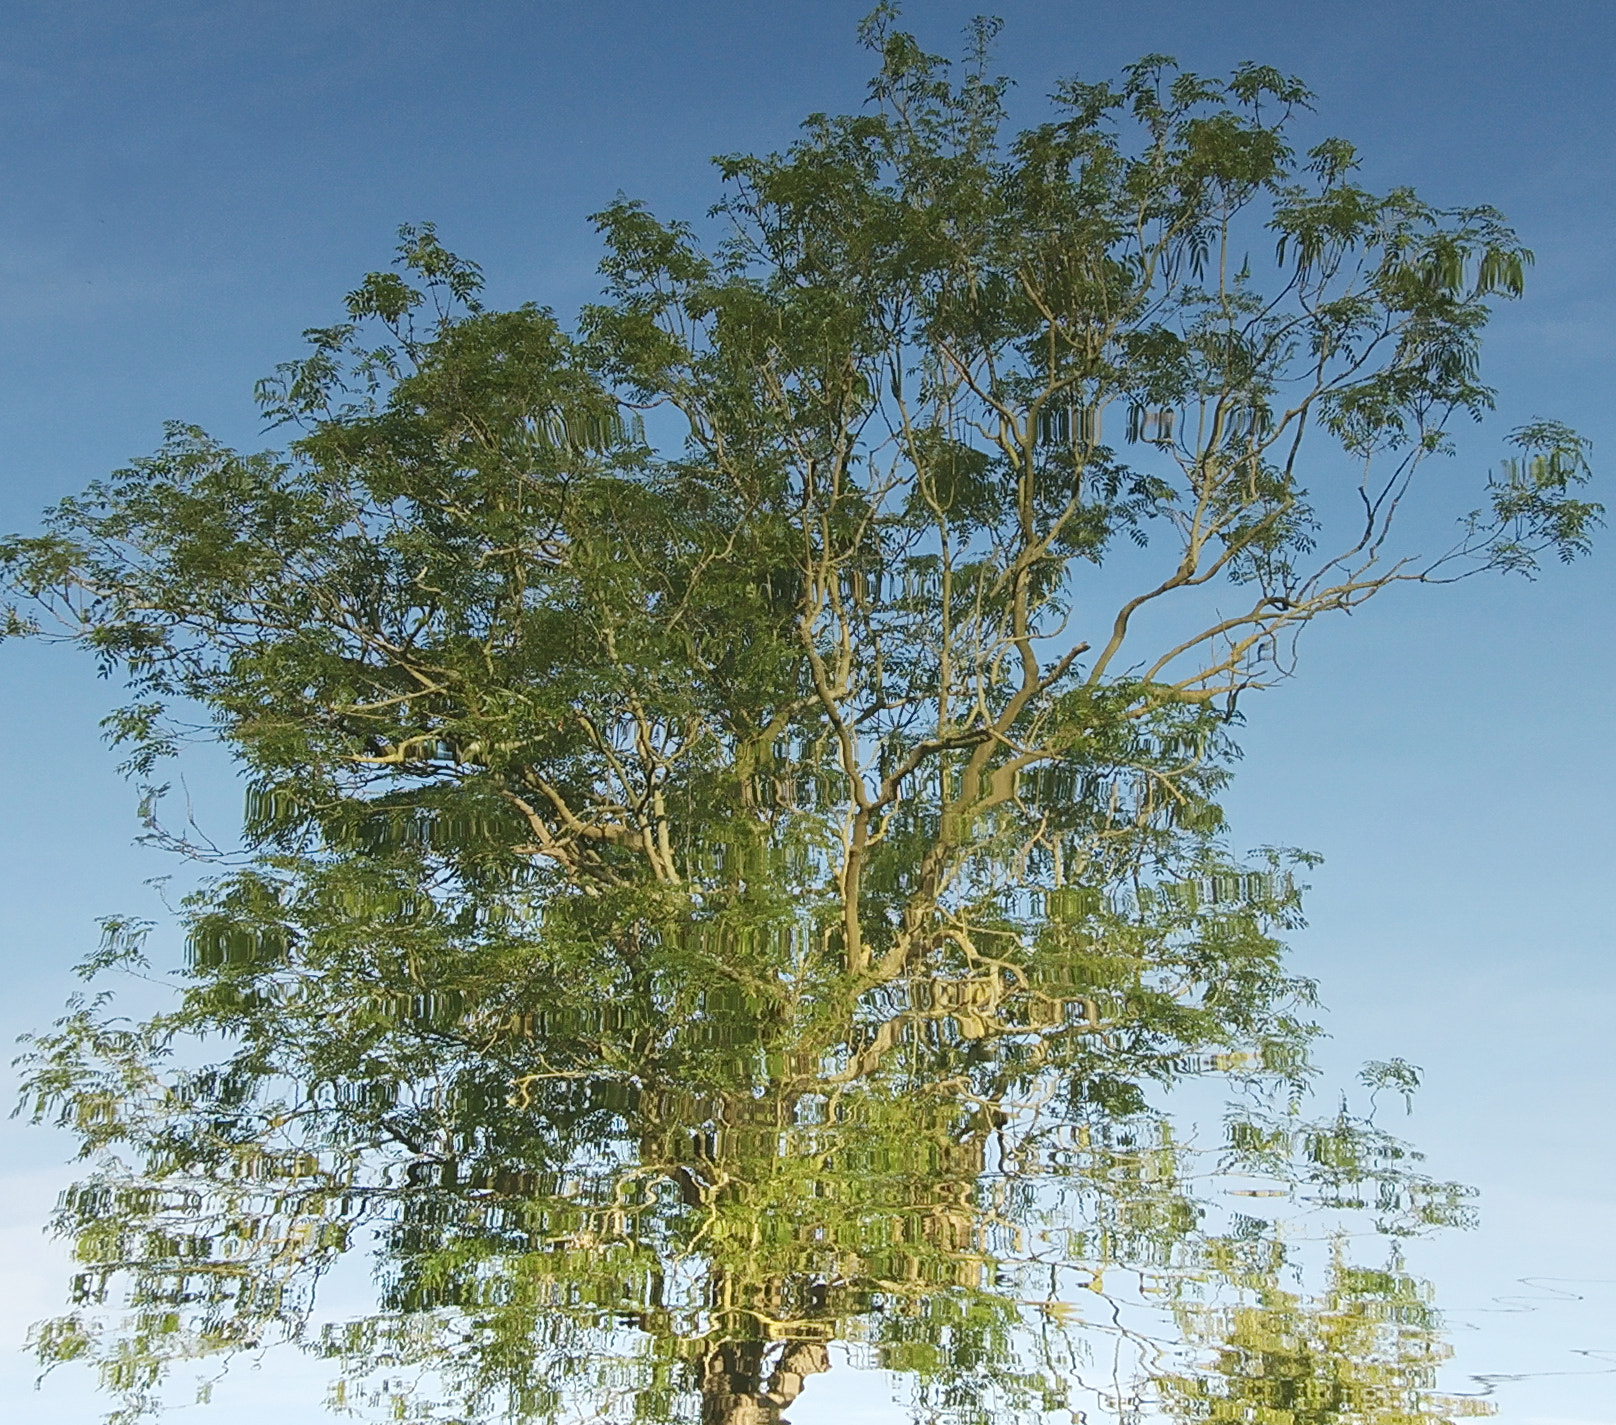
<point>190,184</point>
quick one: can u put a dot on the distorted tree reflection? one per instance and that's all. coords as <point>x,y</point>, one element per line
<point>635,1186</point>
<point>706,898</point>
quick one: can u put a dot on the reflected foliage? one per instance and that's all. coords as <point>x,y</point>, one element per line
<point>623,1186</point>
<point>712,903</point>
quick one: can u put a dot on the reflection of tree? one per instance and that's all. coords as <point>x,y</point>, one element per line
<point>1366,1349</point>
<point>622,1185</point>
<point>705,900</point>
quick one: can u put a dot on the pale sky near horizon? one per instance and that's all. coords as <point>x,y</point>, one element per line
<point>190,183</point>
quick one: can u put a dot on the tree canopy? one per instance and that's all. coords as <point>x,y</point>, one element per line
<point>731,841</point>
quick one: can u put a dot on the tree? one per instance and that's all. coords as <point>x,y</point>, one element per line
<point>667,1201</point>
<point>889,700</point>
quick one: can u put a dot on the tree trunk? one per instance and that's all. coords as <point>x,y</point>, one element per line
<point>733,1390</point>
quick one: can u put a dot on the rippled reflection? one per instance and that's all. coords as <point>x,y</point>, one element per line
<point>619,1159</point>
<point>743,895</point>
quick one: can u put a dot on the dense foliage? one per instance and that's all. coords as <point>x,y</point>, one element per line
<point>707,895</point>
